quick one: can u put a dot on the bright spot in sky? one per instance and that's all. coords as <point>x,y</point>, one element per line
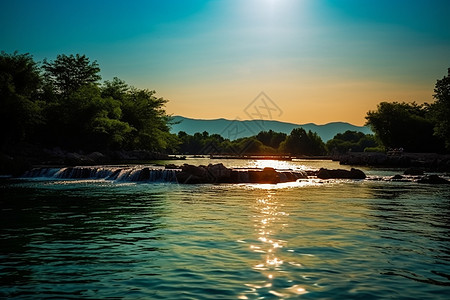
<point>321,61</point>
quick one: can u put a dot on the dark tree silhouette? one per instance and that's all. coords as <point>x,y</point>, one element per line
<point>404,125</point>
<point>67,73</point>
<point>20,110</point>
<point>300,142</point>
<point>441,109</point>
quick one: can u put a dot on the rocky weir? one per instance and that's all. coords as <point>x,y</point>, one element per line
<point>189,174</point>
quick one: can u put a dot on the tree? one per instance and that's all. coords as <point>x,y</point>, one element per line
<point>271,138</point>
<point>116,89</point>
<point>351,141</point>
<point>146,114</point>
<point>441,109</point>
<point>404,125</point>
<point>20,108</point>
<point>300,142</point>
<point>68,73</point>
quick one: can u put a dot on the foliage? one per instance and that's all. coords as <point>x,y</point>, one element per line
<point>300,142</point>
<point>68,73</point>
<point>20,108</point>
<point>271,138</point>
<point>351,141</point>
<point>404,125</point>
<point>380,149</point>
<point>440,110</point>
<point>64,105</point>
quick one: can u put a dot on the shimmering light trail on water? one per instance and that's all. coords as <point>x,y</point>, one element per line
<point>308,240</point>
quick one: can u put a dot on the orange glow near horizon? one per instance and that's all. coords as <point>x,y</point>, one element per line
<point>300,104</point>
<point>320,61</point>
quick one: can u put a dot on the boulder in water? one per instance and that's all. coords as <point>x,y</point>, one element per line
<point>193,174</point>
<point>219,173</point>
<point>267,175</point>
<point>433,179</point>
<point>413,171</point>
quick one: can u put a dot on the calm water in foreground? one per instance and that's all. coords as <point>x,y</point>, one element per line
<point>306,240</point>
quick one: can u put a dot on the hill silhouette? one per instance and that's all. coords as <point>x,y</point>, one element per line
<point>234,129</point>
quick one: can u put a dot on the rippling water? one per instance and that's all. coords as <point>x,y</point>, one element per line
<point>308,240</point>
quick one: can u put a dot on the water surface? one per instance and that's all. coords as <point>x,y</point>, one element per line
<point>306,240</point>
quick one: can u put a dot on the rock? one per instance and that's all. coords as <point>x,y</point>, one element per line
<point>193,174</point>
<point>357,174</point>
<point>413,171</point>
<point>300,174</point>
<point>171,166</point>
<point>433,179</point>
<point>199,171</point>
<point>323,174</point>
<point>144,175</point>
<point>267,175</point>
<point>219,173</point>
<point>340,174</point>
<point>97,157</point>
<point>241,176</point>
<point>397,177</point>
<point>312,173</point>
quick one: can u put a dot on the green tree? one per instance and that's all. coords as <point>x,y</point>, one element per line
<point>404,125</point>
<point>300,142</point>
<point>116,89</point>
<point>351,141</point>
<point>86,120</point>
<point>271,138</point>
<point>441,109</point>
<point>146,116</point>
<point>315,145</point>
<point>20,108</point>
<point>68,73</point>
<point>145,112</point>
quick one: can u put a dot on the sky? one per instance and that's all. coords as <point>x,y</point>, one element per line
<point>302,61</point>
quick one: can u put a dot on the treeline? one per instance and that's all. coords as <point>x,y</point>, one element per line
<point>413,127</point>
<point>62,103</point>
<point>409,127</point>
<point>298,142</point>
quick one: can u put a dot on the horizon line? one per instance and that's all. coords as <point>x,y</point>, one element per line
<point>262,120</point>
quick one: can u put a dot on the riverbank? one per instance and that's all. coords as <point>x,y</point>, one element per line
<point>24,157</point>
<point>425,161</point>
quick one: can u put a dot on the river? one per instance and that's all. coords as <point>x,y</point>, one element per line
<point>310,239</point>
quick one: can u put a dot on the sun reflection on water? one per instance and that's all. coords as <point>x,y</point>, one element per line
<point>276,164</point>
<point>270,219</point>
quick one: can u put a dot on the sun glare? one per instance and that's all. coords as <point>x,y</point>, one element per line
<point>271,163</point>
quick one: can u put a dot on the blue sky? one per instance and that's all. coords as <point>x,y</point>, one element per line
<point>319,60</point>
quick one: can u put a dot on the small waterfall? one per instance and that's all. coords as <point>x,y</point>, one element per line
<point>113,173</point>
<point>41,173</point>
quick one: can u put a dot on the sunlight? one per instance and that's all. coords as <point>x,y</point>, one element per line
<point>272,13</point>
<point>272,163</point>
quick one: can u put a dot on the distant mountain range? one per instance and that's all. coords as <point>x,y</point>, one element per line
<point>234,129</point>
